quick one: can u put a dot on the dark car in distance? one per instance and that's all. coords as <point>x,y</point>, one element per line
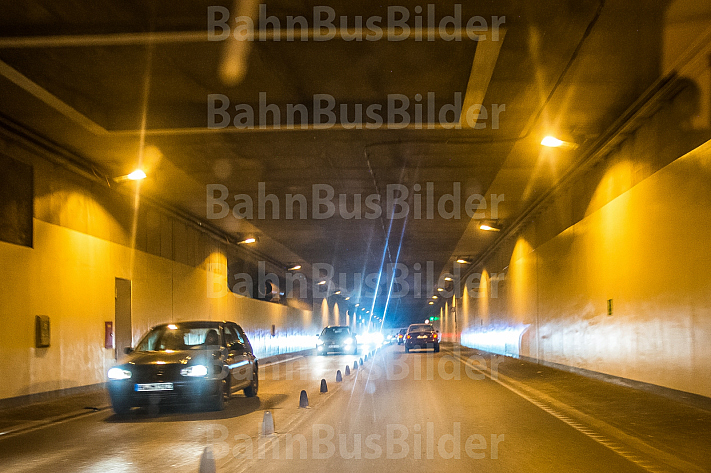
<point>421,336</point>
<point>401,336</point>
<point>202,362</point>
<point>338,338</point>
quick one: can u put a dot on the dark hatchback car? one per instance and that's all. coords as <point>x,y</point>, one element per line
<point>338,339</point>
<point>401,336</point>
<point>421,336</point>
<point>185,363</point>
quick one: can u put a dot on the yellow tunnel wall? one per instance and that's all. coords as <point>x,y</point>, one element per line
<point>83,240</point>
<point>647,250</point>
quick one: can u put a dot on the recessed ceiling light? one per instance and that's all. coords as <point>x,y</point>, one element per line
<point>552,142</point>
<point>489,227</point>
<point>462,261</point>
<point>447,278</point>
<point>295,267</point>
<point>136,175</point>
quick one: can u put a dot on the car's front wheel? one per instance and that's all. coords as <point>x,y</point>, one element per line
<point>253,388</point>
<point>217,403</point>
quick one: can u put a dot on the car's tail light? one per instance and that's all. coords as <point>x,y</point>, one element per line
<point>434,335</point>
<point>409,336</point>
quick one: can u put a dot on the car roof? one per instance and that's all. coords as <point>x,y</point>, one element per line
<point>419,325</point>
<point>195,323</point>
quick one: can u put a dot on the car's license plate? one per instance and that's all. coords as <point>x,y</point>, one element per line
<point>154,387</point>
<point>422,336</point>
<point>333,346</point>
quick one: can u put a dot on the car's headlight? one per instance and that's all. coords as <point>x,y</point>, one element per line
<point>349,342</point>
<point>319,342</point>
<point>195,371</point>
<point>118,373</point>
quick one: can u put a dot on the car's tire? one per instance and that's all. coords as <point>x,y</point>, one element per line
<point>407,350</point>
<point>355,351</point>
<point>120,408</point>
<point>436,348</point>
<point>253,389</point>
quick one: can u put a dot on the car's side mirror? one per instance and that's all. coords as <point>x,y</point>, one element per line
<point>237,346</point>
<point>128,350</point>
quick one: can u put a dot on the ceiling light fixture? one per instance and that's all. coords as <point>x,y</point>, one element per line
<point>247,241</point>
<point>136,175</point>
<point>462,261</point>
<point>431,303</point>
<point>321,283</point>
<point>439,289</point>
<point>447,278</point>
<point>552,142</point>
<point>490,227</point>
<point>295,267</point>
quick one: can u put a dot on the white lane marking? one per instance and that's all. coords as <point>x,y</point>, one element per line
<point>601,439</point>
<point>283,361</point>
<point>48,423</point>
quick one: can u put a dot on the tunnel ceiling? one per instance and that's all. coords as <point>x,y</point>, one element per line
<point>85,76</point>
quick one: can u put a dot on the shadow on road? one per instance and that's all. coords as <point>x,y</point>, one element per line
<point>237,406</point>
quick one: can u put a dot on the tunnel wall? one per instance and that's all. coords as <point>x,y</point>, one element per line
<point>641,244</point>
<point>83,239</point>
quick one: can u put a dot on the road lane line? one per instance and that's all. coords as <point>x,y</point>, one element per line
<point>282,361</point>
<point>625,439</point>
<point>34,426</point>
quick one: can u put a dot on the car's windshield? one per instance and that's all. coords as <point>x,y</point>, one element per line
<point>179,337</point>
<point>338,331</point>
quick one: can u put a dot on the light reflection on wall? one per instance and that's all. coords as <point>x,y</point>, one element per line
<point>264,344</point>
<point>324,312</point>
<point>483,296</point>
<point>503,339</point>
<point>522,274</point>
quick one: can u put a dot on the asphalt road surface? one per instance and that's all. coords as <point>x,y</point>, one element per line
<point>397,412</point>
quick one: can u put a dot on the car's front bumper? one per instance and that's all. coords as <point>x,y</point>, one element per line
<point>336,348</point>
<point>193,391</point>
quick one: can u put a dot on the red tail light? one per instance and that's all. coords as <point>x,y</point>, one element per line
<point>409,336</point>
<point>435,335</point>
